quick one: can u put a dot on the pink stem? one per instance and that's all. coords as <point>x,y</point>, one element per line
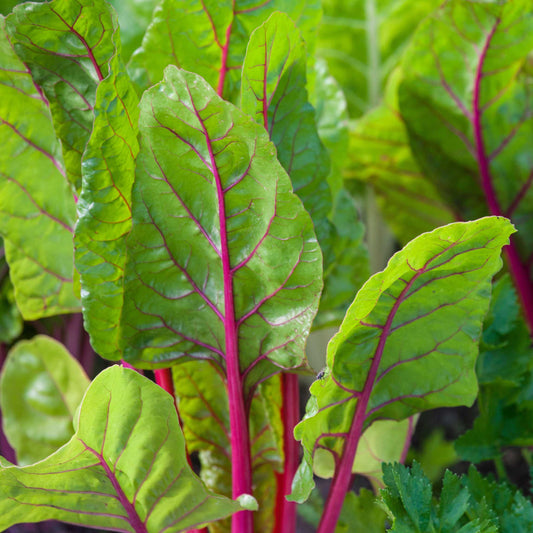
<point>408,438</point>
<point>285,520</point>
<point>523,283</point>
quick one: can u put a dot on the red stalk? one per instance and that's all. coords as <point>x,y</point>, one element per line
<point>519,272</point>
<point>285,520</point>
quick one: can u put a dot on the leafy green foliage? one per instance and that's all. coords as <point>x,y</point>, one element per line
<point>41,387</point>
<point>127,456</point>
<point>41,269</point>
<point>232,201</point>
<point>439,286</point>
<point>467,504</point>
<point>505,374</point>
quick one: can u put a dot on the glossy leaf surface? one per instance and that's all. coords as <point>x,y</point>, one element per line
<point>408,342</point>
<point>124,469</point>
<point>31,207</point>
<point>41,387</point>
<point>104,206</point>
<point>66,45</point>
<point>207,281</point>
<point>210,38</point>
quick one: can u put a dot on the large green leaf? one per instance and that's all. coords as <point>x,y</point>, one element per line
<point>409,340</point>
<point>10,319</point>
<point>125,468</point>
<point>36,215</point>
<point>201,392</point>
<point>66,45</point>
<point>104,206</point>
<point>467,107</point>
<point>210,38</point>
<point>380,155</point>
<point>273,91</point>
<point>363,40</point>
<point>41,387</point>
<point>223,263</point>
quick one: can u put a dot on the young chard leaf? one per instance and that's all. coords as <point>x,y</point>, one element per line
<point>408,343</point>
<point>125,468</point>
<point>233,274</point>
<point>66,45</point>
<point>467,107</point>
<point>41,269</point>
<point>210,38</point>
<point>41,387</point>
<point>273,92</point>
<point>104,207</point>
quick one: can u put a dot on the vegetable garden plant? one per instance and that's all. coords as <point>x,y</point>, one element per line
<point>190,182</point>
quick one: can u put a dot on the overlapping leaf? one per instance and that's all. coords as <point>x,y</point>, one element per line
<point>10,319</point>
<point>203,405</point>
<point>467,105</point>
<point>273,91</point>
<point>125,468</point>
<point>363,41</point>
<point>408,342</point>
<point>66,45</point>
<point>381,156</point>
<point>36,214</point>
<point>104,206</point>
<point>222,258</point>
<point>210,38</point>
<point>41,387</point>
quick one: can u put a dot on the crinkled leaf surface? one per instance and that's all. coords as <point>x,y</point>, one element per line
<point>104,206</point>
<point>36,215</point>
<point>201,392</point>
<point>273,91</point>
<point>363,41</point>
<point>409,340</point>
<point>125,468</point>
<point>380,155</point>
<point>210,38</point>
<point>222,258</point>
<point>41,387</point>
<point>66,45</point>
<point>467,105</point>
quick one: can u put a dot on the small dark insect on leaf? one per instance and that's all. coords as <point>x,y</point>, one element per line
<point>321,374</point>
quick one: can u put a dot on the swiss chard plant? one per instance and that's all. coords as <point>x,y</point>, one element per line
<point>179,173</point>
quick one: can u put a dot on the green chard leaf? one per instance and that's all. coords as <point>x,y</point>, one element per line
<point>66,44</point>
<point>31,207</point>
<point>408,342</point>
<point>363,40</point>
<point>210,38</point>
<point>125,468</point>
<point>273,92</point>
<point>41,387</point>
<point>380,155</point>
<point>104,206</point>
<point>207,281</point>
<point>10,318</point>
<point>204,411</point>
<point>467,108</point>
